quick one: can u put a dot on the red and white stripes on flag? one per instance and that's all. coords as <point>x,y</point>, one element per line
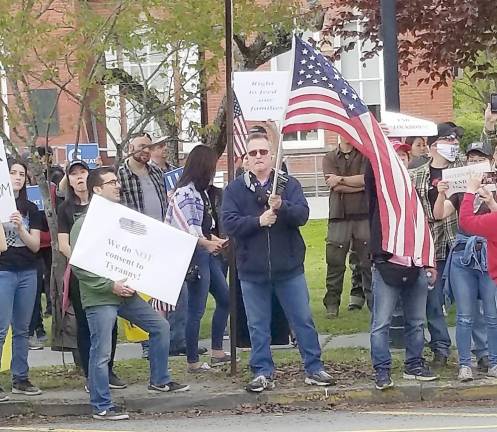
<point>321,99</point>
<point>240,132</point>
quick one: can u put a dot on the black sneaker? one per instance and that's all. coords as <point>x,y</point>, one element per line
<point>354,307</point>
<point>419,372</point>
<point>169,387</point>
<point>439,361</point>
<point>483,364</point>
<point>25,388</point>
<point>4,397</point>
<point>383,380</point>
<point>115,382</point>
<point>260,384</point>
<point>321,378</point>
<point>111,414</point>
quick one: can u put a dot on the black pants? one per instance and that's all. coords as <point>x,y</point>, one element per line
<point>83,333</point>
<point>43,270</point>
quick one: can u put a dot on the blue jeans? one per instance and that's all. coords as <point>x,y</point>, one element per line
<point>437,326</point>
<point>479,332</point>
<point>384,301</point>
<point>18,295</point>
<point>294,299</point>
<point>101,320</point>
<point>177,321</point>
<point>469,285</point>
<point>211,280</point>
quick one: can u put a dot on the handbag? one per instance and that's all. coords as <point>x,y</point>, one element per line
<point>397,275</point>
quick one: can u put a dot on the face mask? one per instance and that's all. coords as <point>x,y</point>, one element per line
<point>448,151</point>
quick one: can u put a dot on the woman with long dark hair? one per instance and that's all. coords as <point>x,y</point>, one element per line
<point>73,207</point>
<point>18,287</point>
<point>191,210</point>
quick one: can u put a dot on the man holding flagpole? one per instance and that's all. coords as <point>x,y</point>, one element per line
<point>321,98</point>
<point>264,219</point>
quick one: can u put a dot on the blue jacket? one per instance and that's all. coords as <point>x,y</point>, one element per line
<point>263,254</point>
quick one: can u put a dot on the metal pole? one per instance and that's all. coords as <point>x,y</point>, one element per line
<point>390,54</point>
<point>392,103</point>
<point>228,7</point>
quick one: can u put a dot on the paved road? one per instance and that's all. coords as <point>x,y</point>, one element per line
<point>413,420</point>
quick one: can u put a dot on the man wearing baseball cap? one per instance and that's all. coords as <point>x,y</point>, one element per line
<point>444,150</point>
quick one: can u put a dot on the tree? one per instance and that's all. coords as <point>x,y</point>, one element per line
<point>436,35</point>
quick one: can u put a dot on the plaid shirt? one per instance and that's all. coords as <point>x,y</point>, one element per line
<point>443,231</point>
<point>131,190</point>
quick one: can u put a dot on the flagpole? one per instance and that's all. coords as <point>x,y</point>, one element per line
<point>228,10</point>
<point>279,155</point>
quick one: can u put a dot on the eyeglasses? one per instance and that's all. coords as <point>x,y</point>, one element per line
<point>262,152</point>
<point>113,183</point>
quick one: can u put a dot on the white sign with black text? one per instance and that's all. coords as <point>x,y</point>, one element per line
<point>457,178</point>
<point>7,198</point>
<point>262,95</point>
<point>118,243</point>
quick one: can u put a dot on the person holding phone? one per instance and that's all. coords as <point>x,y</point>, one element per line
<point>467,278</point>
<point>191,210</point>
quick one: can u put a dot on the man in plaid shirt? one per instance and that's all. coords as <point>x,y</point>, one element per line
<point>444,149</point>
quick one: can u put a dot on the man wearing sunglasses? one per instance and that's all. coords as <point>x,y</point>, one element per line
<point>444,149</point>
<point>270,256</point>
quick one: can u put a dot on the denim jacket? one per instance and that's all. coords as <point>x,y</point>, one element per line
<point>473,259</point>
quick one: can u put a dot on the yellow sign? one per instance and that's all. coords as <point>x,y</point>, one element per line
<point>7,352</point>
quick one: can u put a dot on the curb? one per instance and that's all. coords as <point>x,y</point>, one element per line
<point>182,402</point>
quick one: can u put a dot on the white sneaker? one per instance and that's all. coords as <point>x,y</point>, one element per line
<point>465,374</point>
<point>492,372</point>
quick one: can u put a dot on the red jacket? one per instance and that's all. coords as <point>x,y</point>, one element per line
<point>482,225</point>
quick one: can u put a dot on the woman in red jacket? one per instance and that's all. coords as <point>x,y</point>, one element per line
<point>482,225</point>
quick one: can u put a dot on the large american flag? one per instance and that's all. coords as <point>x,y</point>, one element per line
<point>239,129</point>
<point>320,98</point>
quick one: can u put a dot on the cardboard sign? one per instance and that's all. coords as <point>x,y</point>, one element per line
<point>86,152</point>
<point>171,178</point>
<point>402,125</point>
<point>118,243</point>
<point>262,95</point>
<point>34,195</point>
<point>7,198</point>
<point>458,177</point>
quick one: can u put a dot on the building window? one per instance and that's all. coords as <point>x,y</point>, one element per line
<point>366,77</point>
<point>45,111</point>
<point>154,71</point>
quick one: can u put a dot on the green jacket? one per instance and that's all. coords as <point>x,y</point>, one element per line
<point>94,290</point>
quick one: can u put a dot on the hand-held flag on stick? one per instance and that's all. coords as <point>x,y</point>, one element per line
<point>320,98</point>
<point>239,129</point>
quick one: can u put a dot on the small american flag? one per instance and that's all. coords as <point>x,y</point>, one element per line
<point>239,129</point>
<point>320,98</point>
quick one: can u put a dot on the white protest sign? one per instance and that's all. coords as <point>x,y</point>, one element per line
<point>402,125</point>
<point>457,178</point>
<point>118,243</point>
<point>262,95</point>
<point>7,199</point>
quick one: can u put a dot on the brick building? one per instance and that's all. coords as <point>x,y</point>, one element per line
<point>304,150</point>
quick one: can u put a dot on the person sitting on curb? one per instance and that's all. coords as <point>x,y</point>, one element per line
<point>270,256</point>
<point>103,300</point>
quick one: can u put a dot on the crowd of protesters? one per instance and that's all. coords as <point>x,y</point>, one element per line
<point>264,228</point>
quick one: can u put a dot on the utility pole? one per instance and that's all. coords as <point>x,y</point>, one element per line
<point>228,8</point>
<point>390,54</point>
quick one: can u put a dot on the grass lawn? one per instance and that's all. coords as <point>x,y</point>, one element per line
<point>314,233</point>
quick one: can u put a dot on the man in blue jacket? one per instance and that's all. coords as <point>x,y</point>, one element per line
<point>270,256</point>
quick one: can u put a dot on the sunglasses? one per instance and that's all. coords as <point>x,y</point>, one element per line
<point>262,152</point>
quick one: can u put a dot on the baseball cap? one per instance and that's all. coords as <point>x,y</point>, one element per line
<point>400,146</point>
<point>446,129</point>
<point>77,162</point>
<point>481,147</point>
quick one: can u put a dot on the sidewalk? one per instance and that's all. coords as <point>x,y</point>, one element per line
<point>127,351</point>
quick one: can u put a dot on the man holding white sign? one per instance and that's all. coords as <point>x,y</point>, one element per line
<point>103,300</point>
